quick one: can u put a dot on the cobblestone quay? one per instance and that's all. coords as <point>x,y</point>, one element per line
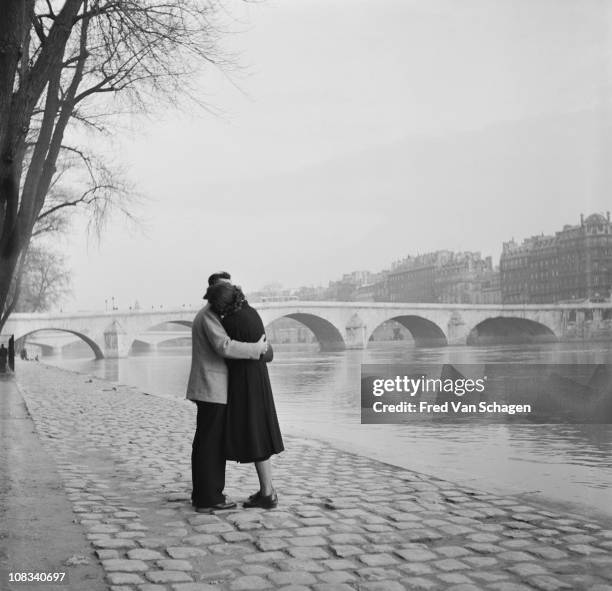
<point>343,522</point>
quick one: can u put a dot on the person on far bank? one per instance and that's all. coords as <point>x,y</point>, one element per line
<point>207,387</point>
<point>252,431</point>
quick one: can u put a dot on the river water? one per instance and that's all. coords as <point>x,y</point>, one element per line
<point>317,394</point>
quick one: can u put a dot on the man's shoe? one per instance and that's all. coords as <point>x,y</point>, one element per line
<point>224,506</point>
<point>261,501</point>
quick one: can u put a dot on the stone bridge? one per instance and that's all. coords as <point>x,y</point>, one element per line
<point>341,325</point>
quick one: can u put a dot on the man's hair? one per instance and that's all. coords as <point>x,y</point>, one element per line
<point>225,298</point>
<point>215,277</point>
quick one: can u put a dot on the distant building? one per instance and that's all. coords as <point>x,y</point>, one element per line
<point>573,264</point>
<point>273,292</point>
<point>358,277</point>
<point>444,277</point>
<point>365,293</point>
<point>375,290</point>
<point>341,291</point>
<point>490,288</point>
<point>381,287</point>
<point>310,294</point>
<point>460,279</point>
<point>349,288</point>
<point>413,278</point>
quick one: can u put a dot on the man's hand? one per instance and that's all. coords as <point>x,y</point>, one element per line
<point>263,343</point>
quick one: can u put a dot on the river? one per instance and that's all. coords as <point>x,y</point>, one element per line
<point>317,395</point>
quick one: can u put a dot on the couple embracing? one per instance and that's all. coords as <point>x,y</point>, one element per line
<point>229,382</point>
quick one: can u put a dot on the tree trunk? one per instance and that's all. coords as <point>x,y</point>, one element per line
<point>17,102</point>
<point>8,265</point>
<point>12,27</point>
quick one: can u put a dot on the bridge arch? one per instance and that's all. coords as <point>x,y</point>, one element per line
<point>137,339</point>
<point>186,323</point>
<point>329,337</point>
<point>425,333</point>
<point>510,330</point>
<point>97,351</point>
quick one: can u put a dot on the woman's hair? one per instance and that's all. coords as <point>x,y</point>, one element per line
<point>225,298</point>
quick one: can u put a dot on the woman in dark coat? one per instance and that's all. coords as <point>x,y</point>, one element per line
<point>252,430</point>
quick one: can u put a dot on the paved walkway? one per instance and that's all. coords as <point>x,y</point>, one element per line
<point>38,531</point>
<point>343,522</point>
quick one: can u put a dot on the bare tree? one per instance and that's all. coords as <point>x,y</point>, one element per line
<point>63,63</point>
<point>45,280</point>
<point>41,279</point>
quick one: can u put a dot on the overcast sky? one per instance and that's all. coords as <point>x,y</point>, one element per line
<point>357,132</point>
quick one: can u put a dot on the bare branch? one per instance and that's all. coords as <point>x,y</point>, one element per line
<point>65,61</point>
<point>38,29</point>
<point>50,7</point>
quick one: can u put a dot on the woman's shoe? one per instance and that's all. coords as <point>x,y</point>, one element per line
<point>261,501</point>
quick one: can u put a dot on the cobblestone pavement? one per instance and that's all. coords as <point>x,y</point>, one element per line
<point>343,523</point>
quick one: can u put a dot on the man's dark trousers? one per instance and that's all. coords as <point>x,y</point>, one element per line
<point>208,455</point>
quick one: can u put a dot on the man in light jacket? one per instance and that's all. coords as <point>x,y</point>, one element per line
<point>207,387</point>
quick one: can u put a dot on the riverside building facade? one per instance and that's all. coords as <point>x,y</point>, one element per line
<point>573,264</point>
<point>444,277</point>
<point>413,278</point>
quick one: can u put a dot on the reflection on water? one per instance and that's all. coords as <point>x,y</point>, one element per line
<point>317,394</point>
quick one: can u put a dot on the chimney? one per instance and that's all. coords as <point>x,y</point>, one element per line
<point>608,215</point>
<point>582,219</point>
